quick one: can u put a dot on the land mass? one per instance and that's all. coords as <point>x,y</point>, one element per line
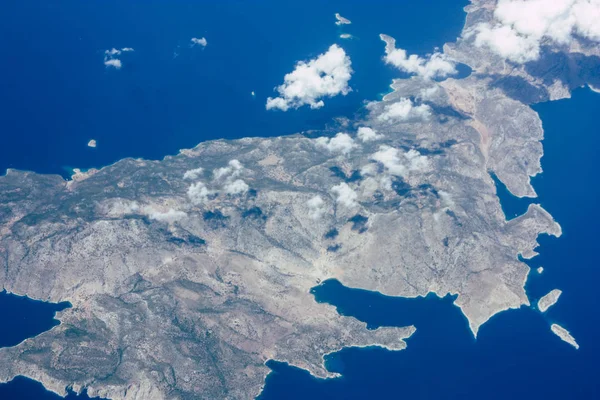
<point>187,274</point>
<point>564,335</point>
<point>549,300</point>
<point>341,20</point>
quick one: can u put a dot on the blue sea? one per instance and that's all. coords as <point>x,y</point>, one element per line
<point>56,95</point>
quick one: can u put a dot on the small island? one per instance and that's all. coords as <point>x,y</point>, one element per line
<point>540,270</point>
<point>564,335</point>
<point>92,143</point>
<point>549,300</point>
<point>341,20</point>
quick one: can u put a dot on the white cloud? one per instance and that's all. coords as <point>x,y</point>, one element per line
<point>446,199</point>
<point>436,66</point>
<point>389,157</point>
<point>386,182</point>
<point>199,41</point>
<point>368,170</point>
<point>233,170</point>
<point>168,216</point>
<point>417,162</point>
<point>325,76</point>
<point>507,43</point>
<point>112,52</point>
<point>237,186</point>
<point>116,52</point>
<point>227,175</point>
<point>345,195</point>
<point>284,105</point>
<point>341,20</point>
<point>405,110</point>
<point>398,163</point>
<point>225,179</point>
<point>366,134</point>
<point>428,93</point>
<point>122,207</point>
<point>345,36</point>
<point>198,193</point>
<point>446,204</point>
<point>193,173</point>
<point>316,207</point>
<point>119,208</point>
<point>521,27</point>
<point>340,143</point>
<point>113,62</point>
<point>109,57</point>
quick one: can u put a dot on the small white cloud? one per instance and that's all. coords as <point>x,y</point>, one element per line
<point>120,207</point>
<point>404,110</point>
<point>109,57</point>
<point>340,143</point>
<point>428,93</point>
<point>113,62</point>
<point>199,41</point>
<point>228,177</point>
<point>233,170</point>
<point>198,193</point>
<point>436,66</point>
<point>168,216</point>
<point>345,195</point>
<point>345,36</point>
<point>447,203</point>
<point>341,20</point>
<point>367,134</point>
<point>237,186</point>
<point>316,207</point>
<point>369,170</point>
<point>123,207</point>
<point>325,76</point>
<point>385,181</point>
<point>446,199</point>
<point>417,162</point>
<point>193,173</point>
<point>225,180</point>
<point>284,105</point>
<point>236,165</point>
<point>389,157</point>
<point>521,27</point>
<point>116,52</point>
<point>398,163</point>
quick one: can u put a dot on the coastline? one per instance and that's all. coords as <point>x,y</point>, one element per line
<point>79,175</point>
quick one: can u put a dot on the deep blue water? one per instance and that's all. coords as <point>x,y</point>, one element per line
<point>30,317</point>
<point>511,205</point>
<point>56,94</point>
<point>22,388</point>
<point>515,355</point>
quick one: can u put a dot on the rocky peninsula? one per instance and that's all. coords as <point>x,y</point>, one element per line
<point>187,274</point>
